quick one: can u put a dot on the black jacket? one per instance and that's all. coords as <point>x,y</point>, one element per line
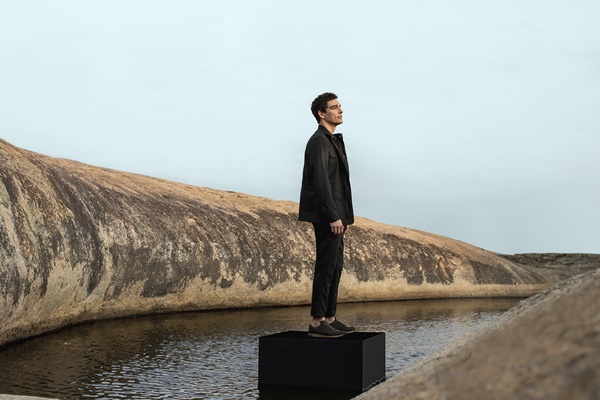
<point>326,195</point>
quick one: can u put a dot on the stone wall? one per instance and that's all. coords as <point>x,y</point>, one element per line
<point>79,243</point>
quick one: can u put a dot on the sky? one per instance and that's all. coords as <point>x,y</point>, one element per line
<point>478,120</point>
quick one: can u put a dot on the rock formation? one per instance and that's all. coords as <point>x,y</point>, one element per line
<point>557,266</point>
<point>545,348</point>
<point>80,243</point>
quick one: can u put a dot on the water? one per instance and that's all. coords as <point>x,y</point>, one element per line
<point>214,355</point>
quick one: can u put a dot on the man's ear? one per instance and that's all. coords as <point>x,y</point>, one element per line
<point>321,114</point>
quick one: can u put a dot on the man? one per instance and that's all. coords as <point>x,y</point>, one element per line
<point>326,201</point>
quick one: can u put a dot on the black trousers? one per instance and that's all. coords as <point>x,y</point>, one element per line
<point>328,270</point>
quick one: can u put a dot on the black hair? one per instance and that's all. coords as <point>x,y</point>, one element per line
<point>320,104</point>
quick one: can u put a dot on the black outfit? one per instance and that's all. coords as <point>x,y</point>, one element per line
<point>326,197</point>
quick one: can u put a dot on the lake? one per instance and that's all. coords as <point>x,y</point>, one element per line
<point>214,355</point>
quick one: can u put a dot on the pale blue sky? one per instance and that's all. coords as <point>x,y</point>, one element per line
<point>477,120</point>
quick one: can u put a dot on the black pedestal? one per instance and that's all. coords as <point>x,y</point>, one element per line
<point>355,361</point>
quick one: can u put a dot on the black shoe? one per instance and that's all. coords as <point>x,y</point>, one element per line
<point>340,326</point>
<point>324,330</point>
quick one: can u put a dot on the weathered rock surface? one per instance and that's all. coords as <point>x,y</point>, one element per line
<point>557,266</point>
<point>79,243</point>
<point>545,348</point>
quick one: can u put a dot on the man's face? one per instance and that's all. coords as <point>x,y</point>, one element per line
<point>333,113</point>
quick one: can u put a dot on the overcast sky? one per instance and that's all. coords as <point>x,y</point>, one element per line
<point>477,120</point>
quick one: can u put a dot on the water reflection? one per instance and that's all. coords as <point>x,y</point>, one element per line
<point>214,355</point>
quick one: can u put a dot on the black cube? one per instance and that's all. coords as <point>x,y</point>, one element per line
<point>356,361</point>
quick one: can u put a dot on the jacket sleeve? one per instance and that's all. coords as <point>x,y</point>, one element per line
<point>319,159</point>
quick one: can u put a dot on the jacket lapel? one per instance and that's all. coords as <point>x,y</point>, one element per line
<point>337,141</point>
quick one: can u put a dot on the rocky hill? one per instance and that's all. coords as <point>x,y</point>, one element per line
<point>545,348</point>
<point>80,243</point>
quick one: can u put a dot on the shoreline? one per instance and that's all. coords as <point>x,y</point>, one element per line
<point>455,350</point>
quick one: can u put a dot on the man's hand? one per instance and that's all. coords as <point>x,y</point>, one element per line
<point>337,227</point>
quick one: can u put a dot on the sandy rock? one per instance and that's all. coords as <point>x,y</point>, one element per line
<point>80,243</point>
<point>557,267</point>
<point>545,348</point>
